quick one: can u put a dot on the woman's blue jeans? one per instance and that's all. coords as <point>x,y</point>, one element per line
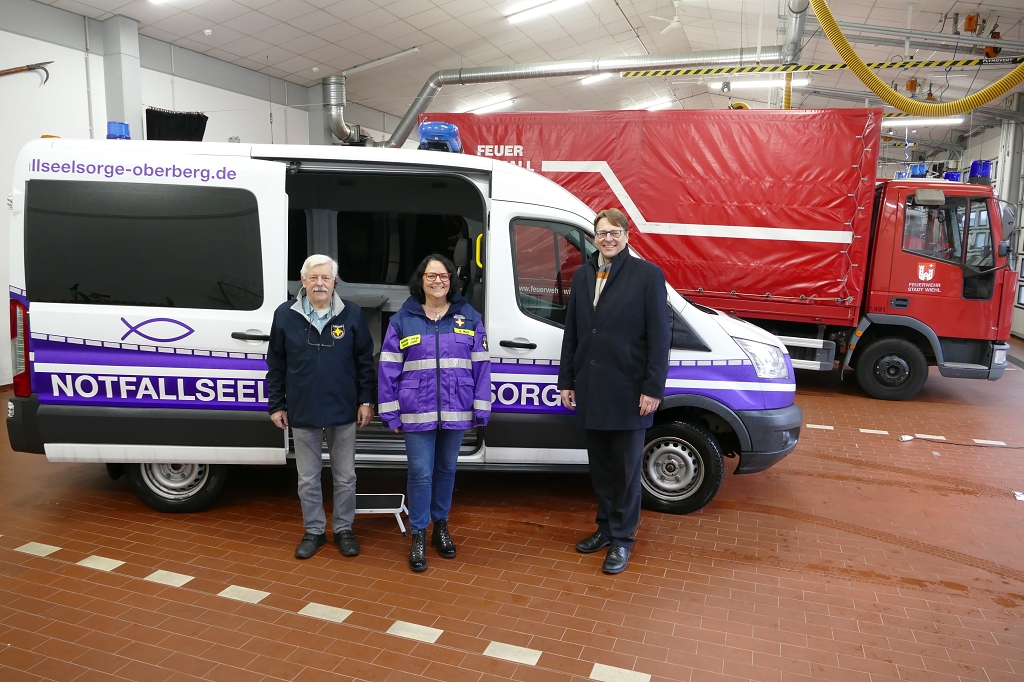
<point>432,458</point>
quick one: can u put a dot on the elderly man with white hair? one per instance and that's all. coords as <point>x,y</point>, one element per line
<point>321,382</point>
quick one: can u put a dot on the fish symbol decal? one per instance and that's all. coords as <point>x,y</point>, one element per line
<point>164,325</point>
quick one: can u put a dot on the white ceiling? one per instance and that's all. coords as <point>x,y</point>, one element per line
<point>288,38</point>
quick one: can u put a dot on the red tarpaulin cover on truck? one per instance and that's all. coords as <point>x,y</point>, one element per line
<point>758,203</point>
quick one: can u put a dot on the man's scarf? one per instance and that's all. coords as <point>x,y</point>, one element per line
<point>603,268</point>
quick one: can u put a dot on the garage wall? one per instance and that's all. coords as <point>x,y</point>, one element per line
<point>231,114</point>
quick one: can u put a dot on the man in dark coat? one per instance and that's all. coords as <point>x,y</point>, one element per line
<point>612,372</point>
<point>321,382</point>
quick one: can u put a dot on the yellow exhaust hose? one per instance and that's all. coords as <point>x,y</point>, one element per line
<point>895,99</point>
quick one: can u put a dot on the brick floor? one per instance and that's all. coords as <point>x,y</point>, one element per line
<point>857,558</point>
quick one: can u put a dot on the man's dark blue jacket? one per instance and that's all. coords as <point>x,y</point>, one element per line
<point>618,351</point>
<point>322,386</point>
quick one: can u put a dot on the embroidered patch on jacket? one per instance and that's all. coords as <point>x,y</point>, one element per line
<point>409,341</point>
<point>337,330</point>
<point>485,341</point>
<point>467,332</point>
<point>460,320</point>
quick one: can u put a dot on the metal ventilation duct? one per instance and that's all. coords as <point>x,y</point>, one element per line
<point>796,18</point>
<point>334,108</point>
<point>577,68</point>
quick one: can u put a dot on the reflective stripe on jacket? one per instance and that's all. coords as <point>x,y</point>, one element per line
<point>434,374</point>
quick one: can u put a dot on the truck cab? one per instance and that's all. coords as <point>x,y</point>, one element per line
<point>941,286</point>
<point>144,277</point>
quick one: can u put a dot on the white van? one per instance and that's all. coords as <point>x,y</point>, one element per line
<point>144,276</point>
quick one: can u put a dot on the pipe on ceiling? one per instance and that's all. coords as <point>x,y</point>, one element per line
<point>335,100</point>
<point>578,68</point>
<point>796,19</point>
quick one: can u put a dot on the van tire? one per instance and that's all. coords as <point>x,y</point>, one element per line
<point>177,488</point>
<point>892,369</point>
<point>681,469</point>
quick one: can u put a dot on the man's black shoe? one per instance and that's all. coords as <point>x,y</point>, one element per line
<point>418,552</point>
<point>442,540</point>
<point>347,543</point>
<point>309,545</point>
<point>595,543</point>
<point>616,560</point>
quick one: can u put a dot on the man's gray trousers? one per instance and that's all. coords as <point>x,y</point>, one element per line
<point>341,442</point>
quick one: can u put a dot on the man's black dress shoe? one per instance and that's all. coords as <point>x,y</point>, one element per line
<point>309,545</point>
<point>442,540</point>
<point>347,543</point>
<point>616,560</point>
<point>418,551</point>
<point>595,543</point>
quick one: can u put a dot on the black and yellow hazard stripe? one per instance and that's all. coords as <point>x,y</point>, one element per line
<point>794,68</point>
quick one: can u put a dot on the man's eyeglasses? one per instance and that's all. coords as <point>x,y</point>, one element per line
<point>614,234</point>
<point>435,276</point>
<point>310,341</point>
<point>326,279</point>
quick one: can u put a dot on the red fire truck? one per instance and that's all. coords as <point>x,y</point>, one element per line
<point>777,217</point>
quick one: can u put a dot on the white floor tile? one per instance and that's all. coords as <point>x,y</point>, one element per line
<point>37,549</point>
<point>243,594</point>
<point>100,563</point>
<point>324,612</point>
<point>420,633</point>
<point>168,578</point>
<point>607,673</point>
<point>509,652</point>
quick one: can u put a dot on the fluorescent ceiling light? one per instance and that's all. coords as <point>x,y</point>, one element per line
<point>754,85</point>
<point>907,121</point>
<point>663,104</point>
<point>490,106</point>
<point>589,80</point>
<point>378,62</point>
<point>538,11</point>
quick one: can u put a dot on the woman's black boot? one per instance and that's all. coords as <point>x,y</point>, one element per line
<point>418,553</point>
<point>442,540</point>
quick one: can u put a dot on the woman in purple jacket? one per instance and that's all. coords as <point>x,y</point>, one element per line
<point>434,382</point>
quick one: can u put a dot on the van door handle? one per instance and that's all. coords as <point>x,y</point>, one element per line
<point>246,336</point>
<point>517,344</point>
<point>899,302</point>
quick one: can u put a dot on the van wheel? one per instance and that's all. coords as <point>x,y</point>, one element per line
<point>892,369</point>
<point>178,488</point>
<point>682,468</point>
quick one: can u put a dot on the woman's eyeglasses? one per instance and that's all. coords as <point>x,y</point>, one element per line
<point>435,276</point>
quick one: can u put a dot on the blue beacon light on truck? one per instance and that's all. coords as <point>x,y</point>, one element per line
<point>440,136</point>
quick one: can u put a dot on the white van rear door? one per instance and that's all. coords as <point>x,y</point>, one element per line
<point>532,254</point>
<point>142,269</point>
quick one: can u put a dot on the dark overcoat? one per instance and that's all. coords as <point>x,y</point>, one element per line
<point>618,351</point>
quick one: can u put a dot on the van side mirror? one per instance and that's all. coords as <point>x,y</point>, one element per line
<point>1004,248</point>
<point>929,197</point>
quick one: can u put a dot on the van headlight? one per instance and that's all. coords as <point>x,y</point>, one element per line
<point>769,361</point>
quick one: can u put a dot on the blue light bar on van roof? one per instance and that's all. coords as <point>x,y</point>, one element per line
<point>440,136</point>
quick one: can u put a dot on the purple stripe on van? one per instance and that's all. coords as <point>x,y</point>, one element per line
<point>83,354</point>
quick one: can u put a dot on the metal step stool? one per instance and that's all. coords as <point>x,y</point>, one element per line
<point>383,504</point>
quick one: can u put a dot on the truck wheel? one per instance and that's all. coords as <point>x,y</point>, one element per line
<point>682,468</point>
<point>892,369</point>
<point>179,488</point>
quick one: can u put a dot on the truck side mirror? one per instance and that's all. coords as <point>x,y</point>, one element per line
<point>929,197</point>
<point>1004,248</point>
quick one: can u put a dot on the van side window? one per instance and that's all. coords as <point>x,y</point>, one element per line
<point>935,231</point>
<point>298,243</point>
<point>119,243</point>
<point>545,257</point>
<point>683,336</point>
